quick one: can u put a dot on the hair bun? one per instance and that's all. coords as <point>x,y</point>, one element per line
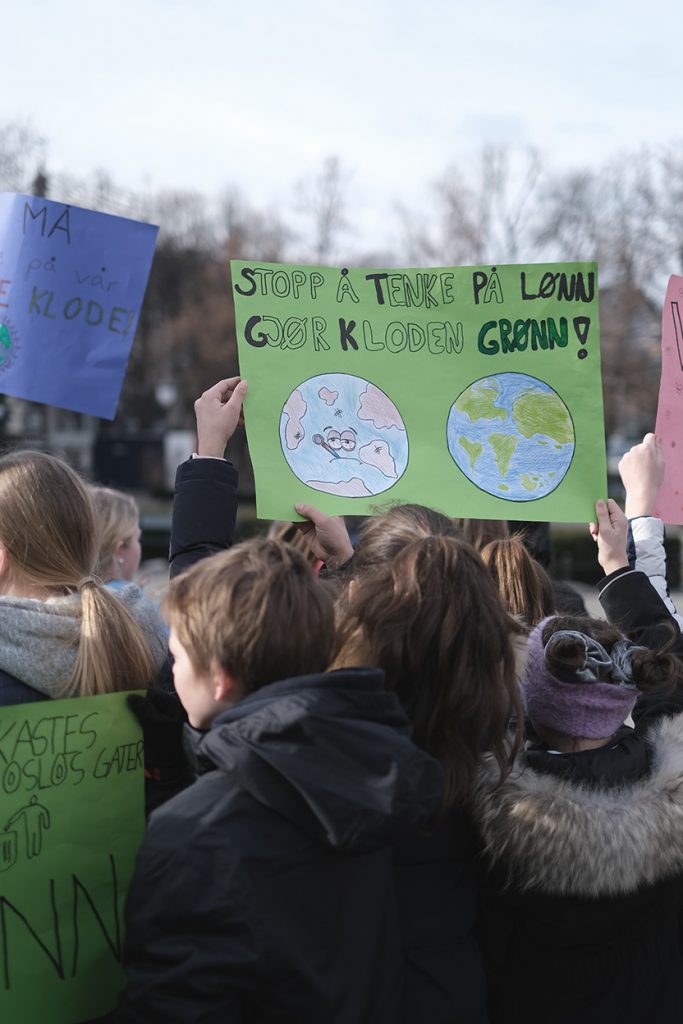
<point>565,653</point>
<point>654,670</point>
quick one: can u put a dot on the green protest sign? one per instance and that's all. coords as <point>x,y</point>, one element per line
<point>475,390</point>
<point>71,820</point>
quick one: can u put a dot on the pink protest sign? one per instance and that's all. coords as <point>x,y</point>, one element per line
<point>669,504</point>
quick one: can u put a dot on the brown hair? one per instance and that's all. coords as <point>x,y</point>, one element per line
<point>118,519</point>
<point>480,532</point>
<point>47,525</point>
<point>291,534</point>
<point>651,669</point>
<point>431,618</point>
<point>383,536</point>
<point>257,610</point>
<point>523,585</point>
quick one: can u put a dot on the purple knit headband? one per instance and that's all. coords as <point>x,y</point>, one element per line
<point>591,701</point>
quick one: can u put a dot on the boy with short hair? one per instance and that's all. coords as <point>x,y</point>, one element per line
<point>264,891</point>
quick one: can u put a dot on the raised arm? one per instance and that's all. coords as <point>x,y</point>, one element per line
<point>642,472</point>
<point>627,595</point>
<point>205,500</point>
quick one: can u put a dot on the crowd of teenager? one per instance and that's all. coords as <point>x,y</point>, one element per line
<point>406,781</point>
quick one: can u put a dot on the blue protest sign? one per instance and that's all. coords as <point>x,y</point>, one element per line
<point>71,287</point>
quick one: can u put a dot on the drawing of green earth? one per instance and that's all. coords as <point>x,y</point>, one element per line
<point>512,436</point>
<point>5,344</point>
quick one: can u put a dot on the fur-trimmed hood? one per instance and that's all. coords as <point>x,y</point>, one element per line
<point>565,838</point>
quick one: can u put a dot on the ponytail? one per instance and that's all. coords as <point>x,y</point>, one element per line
<point>47,525</point>
<point>113,653</point>
<point>524,585</point>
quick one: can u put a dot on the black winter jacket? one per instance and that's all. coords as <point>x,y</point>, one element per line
<point>581,906</point>
<point>264,892</point>
<point>582,899</point>
<point>435,872</point>
<point>13,691</point>
<point>437,894</point>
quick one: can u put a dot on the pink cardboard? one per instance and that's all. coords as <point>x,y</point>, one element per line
<point>669,503</point>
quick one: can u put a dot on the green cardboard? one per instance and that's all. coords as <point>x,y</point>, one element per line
<point>474,390</point>
<point>71,821</point>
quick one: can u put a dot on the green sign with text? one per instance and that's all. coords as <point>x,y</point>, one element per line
<point>71,821</point>
<point>475,390</point>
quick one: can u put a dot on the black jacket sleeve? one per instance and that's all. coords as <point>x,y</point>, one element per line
<point>204,511</point>
<point>631,602</point>
<point>190,953</point>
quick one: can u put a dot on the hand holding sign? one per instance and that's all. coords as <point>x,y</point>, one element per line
<point>218,412</point>
<point>326,536</point>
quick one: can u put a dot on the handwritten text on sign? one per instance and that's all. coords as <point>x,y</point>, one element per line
<point>418,290</point>
<point>71,286</point>
<point>71,819</point>
<point>475,390</point>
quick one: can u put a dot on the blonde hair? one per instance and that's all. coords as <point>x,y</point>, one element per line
<point>47,526</point>
<point>258,610</point>
<point>118,518</point>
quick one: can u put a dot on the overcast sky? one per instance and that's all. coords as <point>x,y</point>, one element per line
<point>210,93</point>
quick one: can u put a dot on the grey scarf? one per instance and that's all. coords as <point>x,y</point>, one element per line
<point>39,639</point>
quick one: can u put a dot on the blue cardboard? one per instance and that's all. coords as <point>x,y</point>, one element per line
<point>72,283</point>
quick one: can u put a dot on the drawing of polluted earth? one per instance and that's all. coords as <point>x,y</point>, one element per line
<point>343,435</point>
<point>512,436</point>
